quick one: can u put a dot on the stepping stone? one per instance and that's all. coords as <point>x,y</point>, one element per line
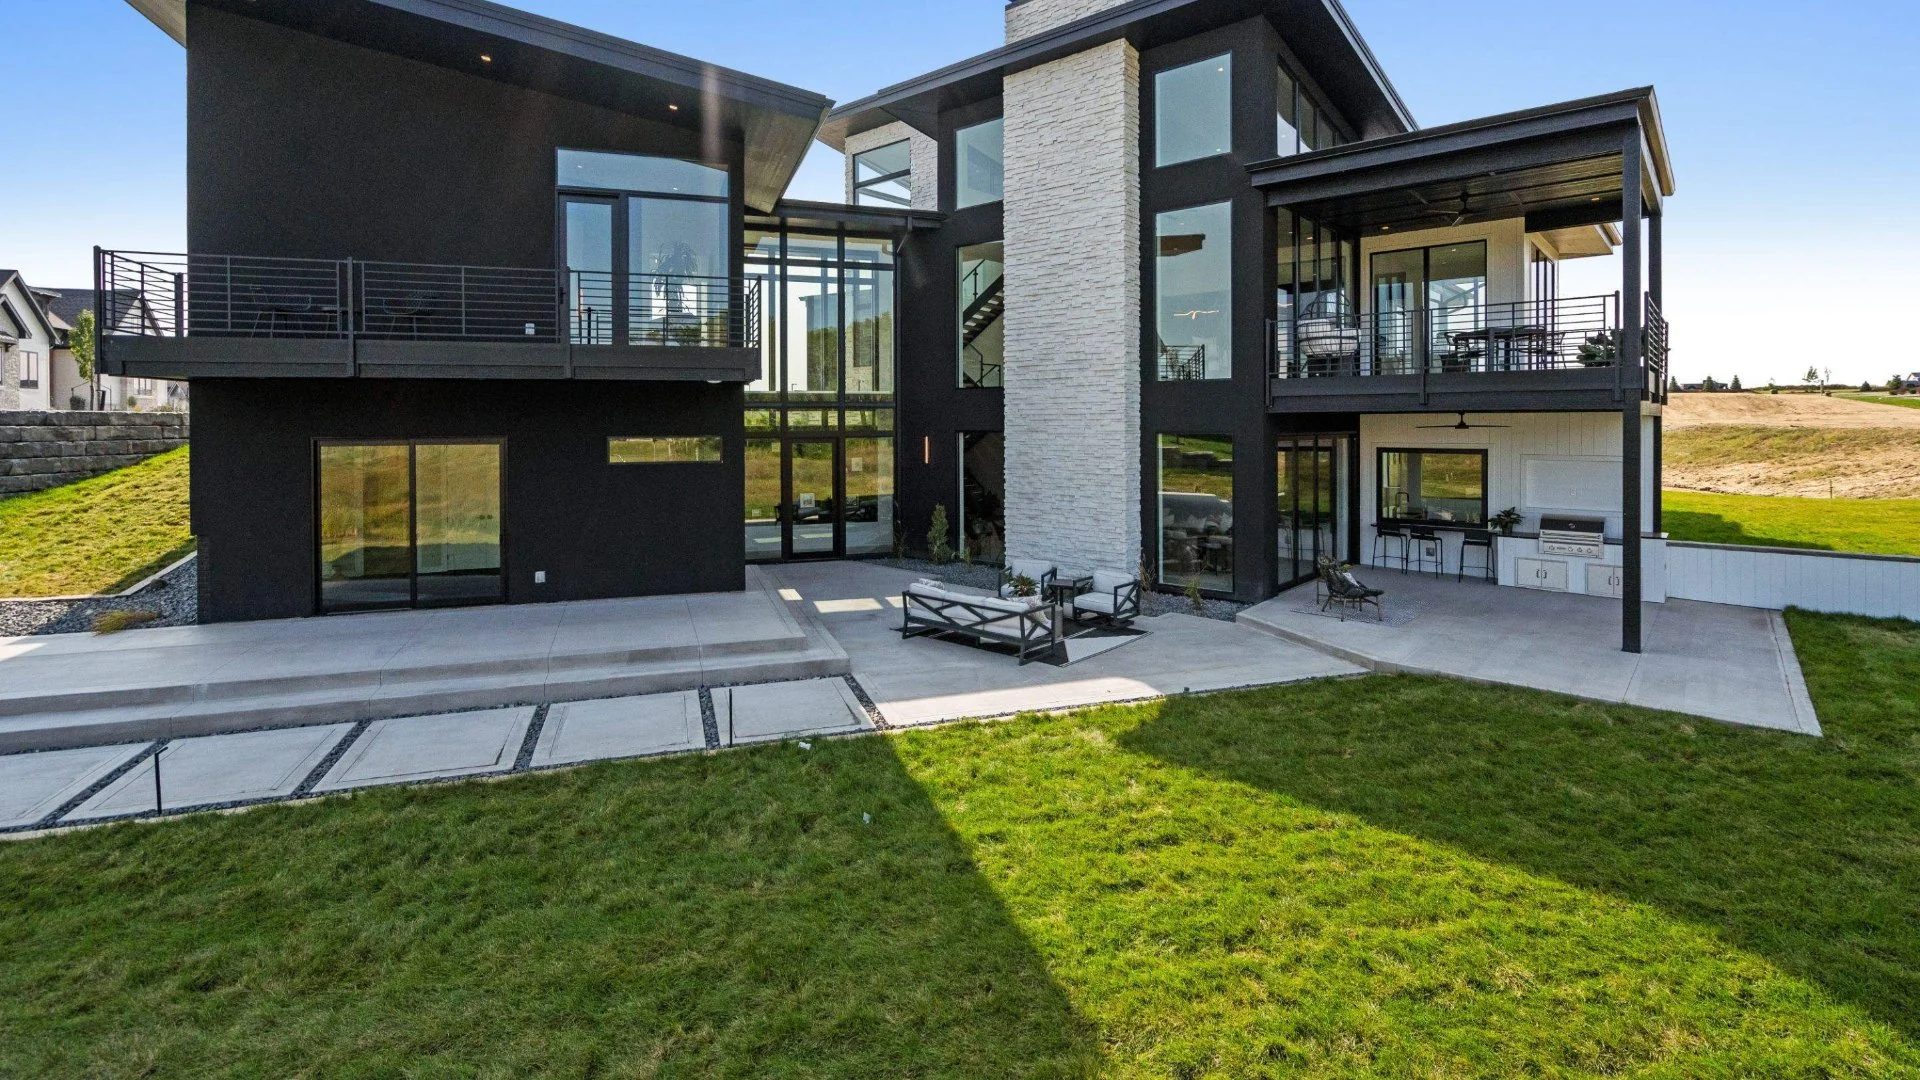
<point>417,748</point>
<point>620,727</point>
<point>35,785</point>
<point>214,769</point>
<point>782,710</point>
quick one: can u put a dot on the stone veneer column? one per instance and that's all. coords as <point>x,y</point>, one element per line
<point>1072,377</point>
<point>1026,18</point>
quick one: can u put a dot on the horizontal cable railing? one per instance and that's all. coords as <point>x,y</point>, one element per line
<point>1533,335</point>
<point>156,294</point>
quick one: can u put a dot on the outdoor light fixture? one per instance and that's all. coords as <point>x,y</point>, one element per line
<point>673,108</point>
<point>486,58</point>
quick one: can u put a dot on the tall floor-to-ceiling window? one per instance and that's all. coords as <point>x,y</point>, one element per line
<point>820,418</point>
<point>1424,301</point>
<point>982,307</point>
<point>1318,332</point>
<point>1193,292</point>
<point>1196,511</point>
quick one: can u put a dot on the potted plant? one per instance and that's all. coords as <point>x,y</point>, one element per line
<point>1023,586</point>
<point>1506,520</point>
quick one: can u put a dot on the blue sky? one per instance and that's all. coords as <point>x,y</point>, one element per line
<point>1794,138</point>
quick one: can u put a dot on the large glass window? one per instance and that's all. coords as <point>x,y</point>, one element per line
<point>813,333</point>
<point>638,172</point>
<point>869,333</point>
<point>763,499</point>
<point>677,259</point>
<point>657,450</point>
<point>1299,126</point>
<point>868,484</point>
<point>1193,292</point>
<point>978,172</point>
<point>1433,485</point>
<point>883,176</point>
<point>1196,511</point>
<point>983,495</point>
<point>404,524</point>
<point>1429,304</point>
<point>982,306</point>
<point>1193,111</point>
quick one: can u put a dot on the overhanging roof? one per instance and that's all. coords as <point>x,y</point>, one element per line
<point>775,122</point>
<point>1560,166</point>
<point>1319,31</point>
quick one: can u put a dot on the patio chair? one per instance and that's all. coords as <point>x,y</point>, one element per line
<point>1040,571</point>
<point>1339,588</point>
<point>1113,599</point>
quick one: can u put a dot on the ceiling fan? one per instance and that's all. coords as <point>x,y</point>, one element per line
<point>1455,218</point>
<point>1461,426</point>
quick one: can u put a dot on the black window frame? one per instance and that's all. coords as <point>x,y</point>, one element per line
<point>1159,110</point>
<point>860,186</point>
<point>1379,485</point>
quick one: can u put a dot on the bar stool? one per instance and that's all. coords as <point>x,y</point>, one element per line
<point>1476,538</point>
<point>1418,537</point>
<point>1381,535</point>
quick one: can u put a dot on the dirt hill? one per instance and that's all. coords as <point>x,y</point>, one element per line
<point>1792,444</point>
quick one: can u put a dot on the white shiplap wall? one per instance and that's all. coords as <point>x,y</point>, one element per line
<point>1777,578</point>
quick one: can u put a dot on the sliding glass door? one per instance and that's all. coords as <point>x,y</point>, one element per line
<point>408,524</point>
<point>1314,504</point>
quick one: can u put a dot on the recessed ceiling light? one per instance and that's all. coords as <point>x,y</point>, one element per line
<point>673,108</point>
<point>485,58</point>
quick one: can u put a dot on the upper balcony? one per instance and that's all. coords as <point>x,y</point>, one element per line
<point>1431,326</point>
<point>180,316</point>
<point>1562,353</point>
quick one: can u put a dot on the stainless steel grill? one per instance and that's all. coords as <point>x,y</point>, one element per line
<point>1582,538</point>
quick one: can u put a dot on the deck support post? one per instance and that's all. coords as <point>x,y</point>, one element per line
<point>1632,307</point>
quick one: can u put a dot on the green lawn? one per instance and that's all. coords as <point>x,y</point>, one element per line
<point>1875,526</point>
<point>96,535</point>
<point>1905,401</point>
<point>1391,876</point>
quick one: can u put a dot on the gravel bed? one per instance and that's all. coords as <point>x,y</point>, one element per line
<point>982,576</point>
<point>175,598</point>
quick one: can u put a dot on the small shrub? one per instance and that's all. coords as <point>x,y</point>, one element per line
<point>1193,596</point>
<point>938,550</point>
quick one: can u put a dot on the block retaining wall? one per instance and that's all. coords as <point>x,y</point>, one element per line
<point>46,449</point>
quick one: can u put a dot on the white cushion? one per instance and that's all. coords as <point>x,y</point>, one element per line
<point>1094,601</point>
<point>1105,581</point>
<point>1033,568</point>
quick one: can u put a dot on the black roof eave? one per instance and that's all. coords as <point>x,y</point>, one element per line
<point>1568,128</point>
<point>775,121</point>
<point>806,213</point>
<point>1320,30</point>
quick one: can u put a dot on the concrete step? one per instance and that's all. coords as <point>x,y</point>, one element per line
<point>369,678</point>
<point>282,707</point>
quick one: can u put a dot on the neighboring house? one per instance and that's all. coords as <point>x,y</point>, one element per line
<point>108,392</point>
<point>1173,283</point>
<point>28,337</point>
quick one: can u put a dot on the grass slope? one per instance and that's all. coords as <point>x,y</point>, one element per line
<point>1390,876</point>
<point>1875,526</point>
<point>96,535</point>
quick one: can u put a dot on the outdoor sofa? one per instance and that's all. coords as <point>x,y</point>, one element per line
<point>1026,623</point>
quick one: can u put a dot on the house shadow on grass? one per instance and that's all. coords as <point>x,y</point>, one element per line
<point>1799,851</point>
<point>766,912</point>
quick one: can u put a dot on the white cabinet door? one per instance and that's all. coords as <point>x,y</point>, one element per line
<point>1550,574</point>
<point>1603,580</point>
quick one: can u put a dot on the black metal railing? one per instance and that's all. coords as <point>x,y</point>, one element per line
<point>1180,363</point>
<point>1655,351</point>
<point>1533,335</point>
<point>173,295</point>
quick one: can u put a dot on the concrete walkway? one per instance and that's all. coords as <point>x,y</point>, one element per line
<point>925,680</point>
<point>58,788</point>
<point>67,690</point>
<point>1723,663</point>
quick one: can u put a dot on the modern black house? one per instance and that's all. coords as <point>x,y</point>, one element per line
<point>482,307</point>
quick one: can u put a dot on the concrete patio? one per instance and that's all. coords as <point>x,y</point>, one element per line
<point>925,680</point>
<point>1723,663</point>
